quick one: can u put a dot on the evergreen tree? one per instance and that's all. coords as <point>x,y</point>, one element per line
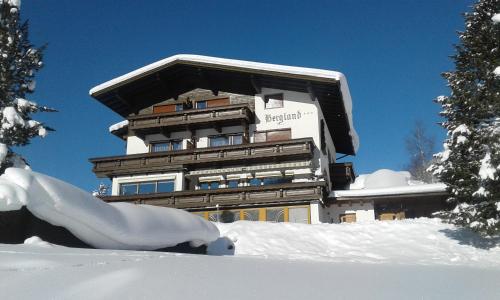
<point>470,162</point>
<point>19,61</point>
<point>420,147</point>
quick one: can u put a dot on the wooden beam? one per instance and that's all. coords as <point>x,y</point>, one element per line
<point>256,84</point>
<point>206,81</point>
<point>311,92</point>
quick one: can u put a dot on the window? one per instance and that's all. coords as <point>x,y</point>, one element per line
<point>275,214</point>
<point>272,135</point>
<point>166,146</point>
<point>213,185</point>
<point>226,139</point>
<point>232,184</point>
<point>254,182</point>
<point>179,107</point>
<point>276,180</point>
<point>147,187</point>
<point>273,101</point>
<point>201,104</point>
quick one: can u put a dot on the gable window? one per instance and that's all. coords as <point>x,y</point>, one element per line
<point>166,108</point>
<point>201,104</point>
<point>147,187</point>
<point>171,145</point>
<point>273,101</point>
<point>226,139</point>
<point>179,107</point>
<point>272,135</point>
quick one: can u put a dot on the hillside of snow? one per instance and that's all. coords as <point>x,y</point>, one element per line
<point>415,259</point>
<point>407,242</point>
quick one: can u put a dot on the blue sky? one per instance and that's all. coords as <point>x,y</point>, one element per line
<point>392,53</point>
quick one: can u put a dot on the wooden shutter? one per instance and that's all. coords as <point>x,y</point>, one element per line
<point>217,102</point>
<point>163,108</point>
<point>259,137</point>
<point>279,135</point>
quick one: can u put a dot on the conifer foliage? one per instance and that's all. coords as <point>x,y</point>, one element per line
<point>19,61</point>
<point>470,162</point>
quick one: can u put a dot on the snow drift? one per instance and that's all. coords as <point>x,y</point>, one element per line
<point>99,224</point>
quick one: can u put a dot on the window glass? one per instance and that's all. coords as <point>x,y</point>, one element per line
<point>219,141</point>
<point>214,216</point>
<point>255,182</point>
<point>204,186</point>
<point>275,214</point>
<point>176,145</point>
<point>201,104</point>
<point>251,214</point>
<point>273,101</point>
<point>232,183</point>
<point>128,189</point>
<point>229,216</point>
<point>237,139</point>
<point>276,180</point>
<point>214,185</point>
<point>147,187</point>
<point>158,147</point>
<point>165,186</point>
<point>179,107</point>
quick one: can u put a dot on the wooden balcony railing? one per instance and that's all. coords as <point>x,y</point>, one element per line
<point>213,156</point>
<point>193,118</point>
<point>279,193</point>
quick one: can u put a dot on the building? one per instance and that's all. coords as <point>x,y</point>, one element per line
<point>386,195</point>
<point>229,139</point>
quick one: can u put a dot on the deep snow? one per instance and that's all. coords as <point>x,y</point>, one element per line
<point>99,224</point>
<point>420,259</point>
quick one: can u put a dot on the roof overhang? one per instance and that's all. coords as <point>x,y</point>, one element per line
<point>175,75</point>
<point>401,192</point>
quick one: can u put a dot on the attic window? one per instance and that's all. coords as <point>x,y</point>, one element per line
<point>273,101</point>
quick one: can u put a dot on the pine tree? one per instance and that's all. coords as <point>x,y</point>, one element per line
<point>470,162</point>
<point>19,61</point>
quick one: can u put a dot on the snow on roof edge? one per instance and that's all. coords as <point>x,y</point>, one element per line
<point>411,189</point>
<point>320,73</point>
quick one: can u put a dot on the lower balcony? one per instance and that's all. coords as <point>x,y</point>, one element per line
<point>213,156</point>
<point>279,193</point>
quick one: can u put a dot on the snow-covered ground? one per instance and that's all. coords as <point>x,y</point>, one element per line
<point>412,259</point>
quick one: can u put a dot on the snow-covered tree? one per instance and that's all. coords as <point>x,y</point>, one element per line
<point>102,190</point>
<point>420,147</point>
<point>470,162</point>
<point>19,61</point>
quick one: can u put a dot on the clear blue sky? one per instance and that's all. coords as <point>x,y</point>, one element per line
<point>392,53</point>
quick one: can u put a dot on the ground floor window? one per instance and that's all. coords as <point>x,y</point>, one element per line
<point>147,187</point>
<point>347,218</point>
<point>292,214</point>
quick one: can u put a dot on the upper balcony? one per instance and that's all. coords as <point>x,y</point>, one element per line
<point>212,156</point>
<point>191,119</point>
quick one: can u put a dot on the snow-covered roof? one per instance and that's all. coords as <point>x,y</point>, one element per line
<point>103,91</point>
<point>387,182</point>
<point>118,126</point>
<point>216,61</point>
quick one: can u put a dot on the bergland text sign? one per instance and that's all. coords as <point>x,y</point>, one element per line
<point>280,118</point>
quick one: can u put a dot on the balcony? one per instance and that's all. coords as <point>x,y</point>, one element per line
<point>279,193</point>
<point>192,119</point>
<point>203,157</point>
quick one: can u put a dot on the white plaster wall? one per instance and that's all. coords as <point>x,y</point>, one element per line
<point>136,145</point>
<point>364,212</point>
<point>177,176</point>
<point>315,212</point>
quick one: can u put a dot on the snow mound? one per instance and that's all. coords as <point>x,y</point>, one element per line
<point>99,224</point>
<point>386,178</point>
<point>36,241</point>
<point>420,241</point>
